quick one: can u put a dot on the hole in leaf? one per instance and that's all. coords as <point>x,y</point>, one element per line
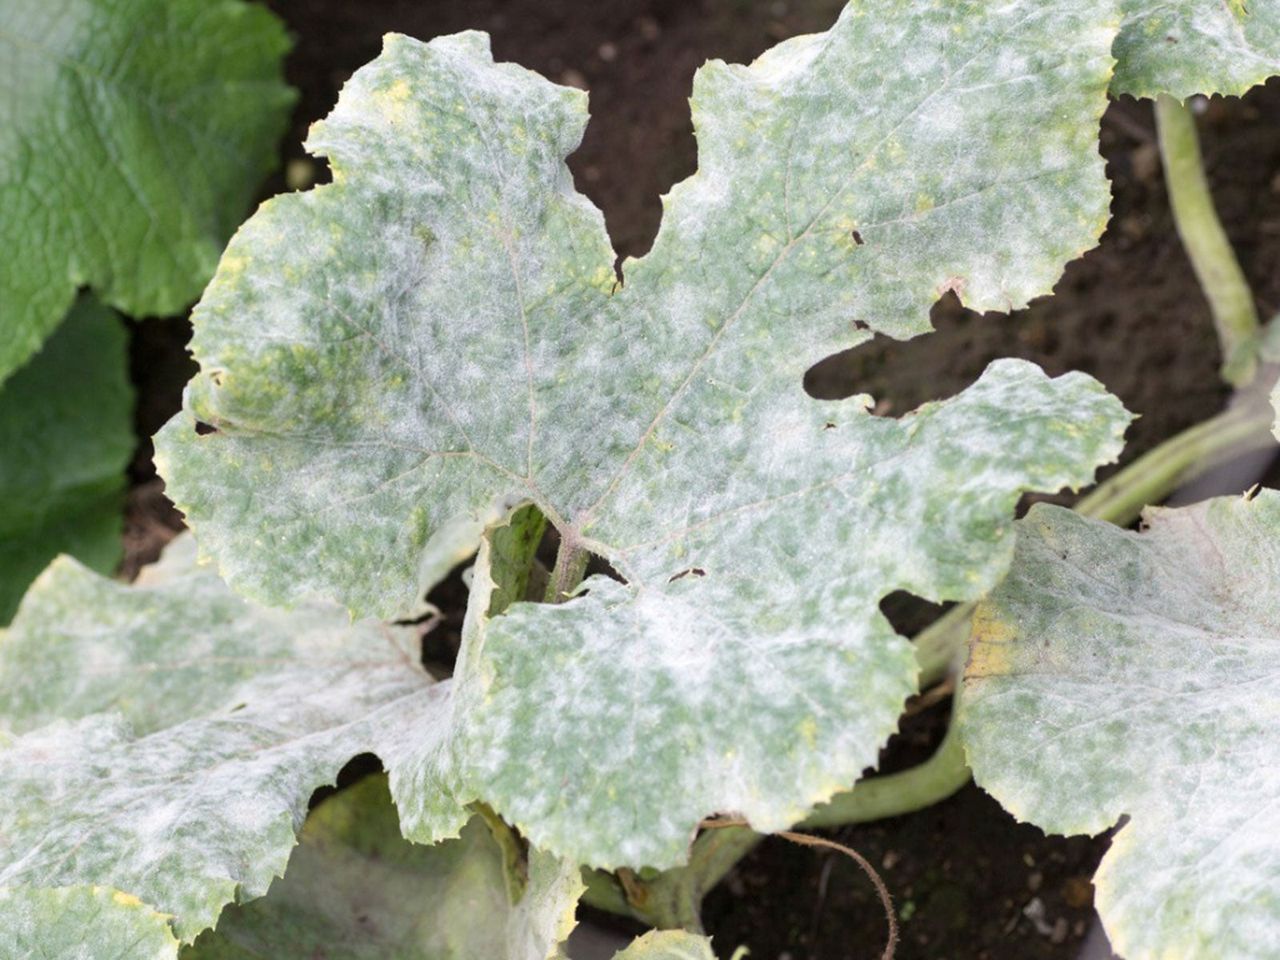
<point>690,572</point>
<point>603,567</point>
<point>204,429</point>
<point>904,374</point>
<point>909,614</point>
<point>356,769</point>
<point>441,629</point>
<point>857,238</point>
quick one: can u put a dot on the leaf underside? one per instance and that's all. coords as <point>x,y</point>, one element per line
<point>355,888</point>
<point>1184,47</point>
<point>133,134</point>
<point>164,738</point>
<point>1114,674</point>
<point>66,436</point>
<point>392,361</point>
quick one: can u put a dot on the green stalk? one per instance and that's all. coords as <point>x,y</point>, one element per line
<point>894,794</point>
<point>673,898</point>
<point>1230,299</point>
<point>1120,499</point>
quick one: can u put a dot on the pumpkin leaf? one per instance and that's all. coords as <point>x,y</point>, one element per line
<point>133,134</point>
<point>53,922</point>
<point>66,432</point>
<point>354,888</point>
<point>667,945</point>
<point>1185,47</point>
<point>392,361</point>
<point>1117,674</point>
<point>164,738</point>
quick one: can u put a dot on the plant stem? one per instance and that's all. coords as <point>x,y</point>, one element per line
<point>571,564</point>
<point>1230,299</point>
<point>1120,499</point>
<point>673,898</point>
<point>514,867</point>
<point>897,793</point>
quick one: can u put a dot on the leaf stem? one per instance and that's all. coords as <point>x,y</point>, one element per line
<point>571,564</point>
<point>1230,299</point>
<point>1152,477</point>
<point>897,793</point>
<point>673,898</point>
<point>514,866</point>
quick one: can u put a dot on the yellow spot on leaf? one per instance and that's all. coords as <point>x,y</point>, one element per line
<point>395,99</point>
<point>232,266</point>
<point>808,731</point>
<point>990,646</point>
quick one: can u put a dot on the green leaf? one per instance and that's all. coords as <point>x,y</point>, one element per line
<point>66,431</point>
<point>133,134</point>
<point>1120,674</point>
<point>1184,47</point>
<point>164,738</point>
<point>88,923</point>
<point>355,888</point>
<point>393,360</point>
<point>667,945</point>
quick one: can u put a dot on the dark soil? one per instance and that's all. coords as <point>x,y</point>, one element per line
<point>967,880</point>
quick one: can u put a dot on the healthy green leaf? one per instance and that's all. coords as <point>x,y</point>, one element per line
<point>393,360</point>
<point>66,434</point>
<point>1184,47</point>
<point>355,888</point>
<point>667,945</point>
<point>164,738</point>
<point>133,134</point>
<point>1120,674</point>
<point>87,923</point>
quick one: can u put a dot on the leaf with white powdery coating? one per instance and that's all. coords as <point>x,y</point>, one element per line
<point>164,738</point>
<point>393,360</point>
<point>66,432</point>
<point>1185,47</point>
<point>667,945</point>
<point>85,923</point>
<point>355,888</point>
<point>133,134</point>
<point>1130,674</point>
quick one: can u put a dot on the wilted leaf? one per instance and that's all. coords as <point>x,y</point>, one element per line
<point>1184,47</point>
<point>66,436</point>
<point>133,134</point>
<point>1132,674</point>
<point>395,359</point>
<point>85,923</point>
<point>164,738</point>
<point>355,888</point>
